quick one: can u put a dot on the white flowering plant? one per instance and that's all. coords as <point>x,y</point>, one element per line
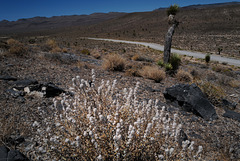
<point>100,122</point>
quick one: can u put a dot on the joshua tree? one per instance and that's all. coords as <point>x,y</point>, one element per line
<point>219,51</point>
<point>171,12</point>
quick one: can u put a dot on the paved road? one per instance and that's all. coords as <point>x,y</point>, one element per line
<point>218,58</point>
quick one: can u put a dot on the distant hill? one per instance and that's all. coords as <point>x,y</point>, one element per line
<point>202,6</point>
<point>43,23</point>
<point>202,27</point>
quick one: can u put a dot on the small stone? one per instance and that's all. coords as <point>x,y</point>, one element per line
<point>27,90</point>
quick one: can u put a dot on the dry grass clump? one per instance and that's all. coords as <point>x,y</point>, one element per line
<point>234,83</point>
<point>214,92</point>
<point>102,123</point>
<point>132,72</point>
<point>137,57</point>
<point>183,76</point>
<point>114,62</point>
<point>56,50</point>
<point>51,43</point>
<point>16,47</point>
<point>223,70</point>
<point>153,72</point>
<point>65,50</point>
<point>51,46</point>
<point>96,54</point>
<point>85,52</point>
<point>195,74</point>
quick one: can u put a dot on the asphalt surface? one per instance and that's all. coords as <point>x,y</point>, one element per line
<point>194,54</point>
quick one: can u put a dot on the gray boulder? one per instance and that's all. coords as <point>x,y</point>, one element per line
<point>191,99</point>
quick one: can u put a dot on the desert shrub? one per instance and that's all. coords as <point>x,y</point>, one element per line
<point>152,72</point>
<point>173,10</point>
<point>214,92</point>
<point>175,61</point>
<point>85,51</point>
<point>234,83</point>
<point>96,55</point>
<point>183,76</point>
<point>223,70</point>
<point>211,76</point>
<point>207,58</point>
<point>114,62</point>
<point>65,50</point>
<point>136,57</point>
<point>51,43</point>
<point>101,122</point>
<point>195,73</point>
<point>224,80</point>
<point>51,46</point>
<point>132,72</point>
<point>16,47</point>
<point>56,50</point>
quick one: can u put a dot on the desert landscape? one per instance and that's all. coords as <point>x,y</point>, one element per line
<point>64,96</point>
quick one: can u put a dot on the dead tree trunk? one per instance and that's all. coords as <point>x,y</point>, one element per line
<point>168,42</point>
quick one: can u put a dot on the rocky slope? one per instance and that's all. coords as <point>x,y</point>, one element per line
<point>219,136</point>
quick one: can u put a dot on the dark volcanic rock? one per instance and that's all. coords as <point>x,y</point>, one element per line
<point>52,90</point>
<point>228,104</point>
<point>11,155</point>
<point>191,98</point>
<point>3,153</point>
<point>182,137</point>
<point>15,93</point>
<point>15,155</point>
<point>7,78</point>
<point>21,84</point>
<point>232,115</point>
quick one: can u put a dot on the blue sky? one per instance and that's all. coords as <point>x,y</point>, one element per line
<point>16,9</point>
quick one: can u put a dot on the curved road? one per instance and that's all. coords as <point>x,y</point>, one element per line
<point>220,59</point>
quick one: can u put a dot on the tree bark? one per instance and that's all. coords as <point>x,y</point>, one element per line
<point>168,42</point>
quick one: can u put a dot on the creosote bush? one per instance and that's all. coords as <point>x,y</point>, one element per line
<point>153,72</point>
<point>100,122</point>
<point>114,62</point>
